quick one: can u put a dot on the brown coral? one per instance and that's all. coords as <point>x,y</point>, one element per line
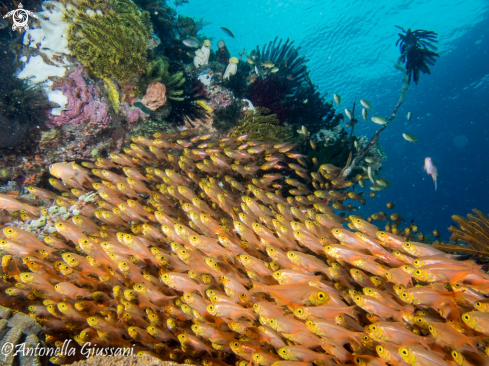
<point>155,96</point>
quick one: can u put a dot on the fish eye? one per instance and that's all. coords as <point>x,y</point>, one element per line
<point>321,296</point>
<point>357,298</point>
<point>466,317</point>
<point>404,352</point>
<point>283,351</point>
<point>416,262</point>
<point>236,344</point>
<point>404,294</point>
<point>454,354</point>
<point>417,272</point>
<point>430,328</point>
<point>374,328</point>
<point>407,245</point>
<point>357,271</point>
<point>242,296</point>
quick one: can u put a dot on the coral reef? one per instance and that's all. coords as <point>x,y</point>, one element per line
<point>219,97</point>
<point>109,38</point>
<point>84,104</point>
<point>18,332</point>
<point>260,125</point>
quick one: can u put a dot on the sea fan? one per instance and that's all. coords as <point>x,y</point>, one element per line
<point>472,235</point>
<point>417,51</point>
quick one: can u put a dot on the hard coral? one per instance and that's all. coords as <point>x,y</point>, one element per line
<point>158,71</point>
<point>155,96</point>
<point>112,42</point>
<point>84,104</point>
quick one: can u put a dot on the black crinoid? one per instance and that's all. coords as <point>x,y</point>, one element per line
<point>417,51</point>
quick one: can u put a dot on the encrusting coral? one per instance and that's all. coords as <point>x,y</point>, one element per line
<point>260,125</point>
<point>109,37</point>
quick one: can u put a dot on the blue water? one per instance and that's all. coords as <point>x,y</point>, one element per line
<point>351,48</point>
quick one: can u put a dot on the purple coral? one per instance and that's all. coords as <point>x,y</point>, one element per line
<point>84,103</point>
<point>219,97</point>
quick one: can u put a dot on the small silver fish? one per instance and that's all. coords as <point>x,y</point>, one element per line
<point>337,98</point>
<point>364,114</point>
<point>365,103</point>
<point>379,120</point>
<point>191,42</point>
<point>348,113</point>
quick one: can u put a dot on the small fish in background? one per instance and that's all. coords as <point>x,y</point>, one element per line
<point>366,104</point>
<point>409,137</point>
<point>408,116</point>
<point>379,120</point>
<point>364,114</point>
<point>431,169</point>
<point>227,31</point>
<point>337,98</point>
<point>191,42</point>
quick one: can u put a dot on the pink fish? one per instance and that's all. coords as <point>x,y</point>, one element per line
<point>431,169</point>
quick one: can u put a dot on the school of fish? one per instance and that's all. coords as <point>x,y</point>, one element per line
<point>216,250</point>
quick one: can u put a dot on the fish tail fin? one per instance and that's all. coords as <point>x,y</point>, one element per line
<point>257,287</point>
<point>202,289</point>
<point>352,312</point>
<point>250,314</point>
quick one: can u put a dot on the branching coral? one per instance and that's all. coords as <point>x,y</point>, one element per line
<point>110,39</point>
<point>262,126</point>
<point>417,51</point>
<point>472,234</point>
<point>158,71</point>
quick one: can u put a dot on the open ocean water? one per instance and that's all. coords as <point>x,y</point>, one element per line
<point>352,52</point>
